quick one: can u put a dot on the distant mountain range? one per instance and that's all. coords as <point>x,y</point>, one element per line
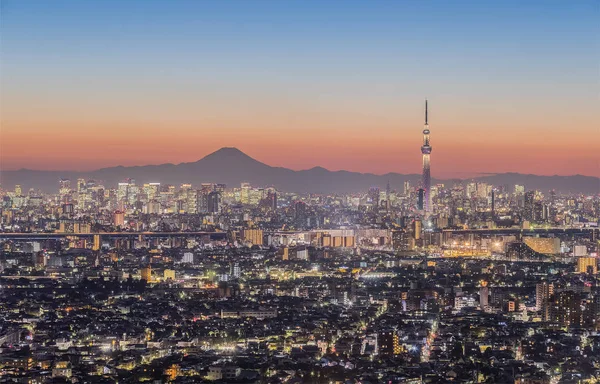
<point>231,166</point>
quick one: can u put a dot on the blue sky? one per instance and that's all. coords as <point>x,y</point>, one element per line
<point>532,66</point>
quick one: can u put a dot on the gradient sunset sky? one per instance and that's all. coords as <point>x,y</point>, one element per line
<point>513,86</point>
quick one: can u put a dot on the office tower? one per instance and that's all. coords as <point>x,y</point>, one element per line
<point>256,195</point>
<point>519,189</point>
<point>64,191</point>
<point>552,197</point>
<point>67,209</point>
<point>493,203</point>
<point>213,202</point>
<point>81,185</point>
<point>529,206</point>
<point>482,190</point>
<point>245,193</point>
<point>272,198</point>
<point>540,211</point>
<point>406,188</point>
<point>151,190</point>
<point>471,190</point>
<point>189,197</point>
<point>122,192</point>
<point>373,196</point>
<point>421,199</point>
<point>434,192</point>
<point>18,190</point>
<point>133,192</point>
<point>152,207</point>
<point>426,151</point>
<point>300,210</point>
<point>203,195</point>
<point>64,185</point>
<point>387,196</point>
<point>220,188</point>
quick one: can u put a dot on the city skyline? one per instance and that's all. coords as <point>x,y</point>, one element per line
<point>243,191</point>
<point>341,89</point>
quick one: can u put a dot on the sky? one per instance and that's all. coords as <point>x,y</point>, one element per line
<point>512,86</point>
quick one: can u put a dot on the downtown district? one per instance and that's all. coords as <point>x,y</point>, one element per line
<point>202,283</point>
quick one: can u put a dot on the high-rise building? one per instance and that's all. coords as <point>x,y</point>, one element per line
<point>519,189</point>
<point>254,236</point>
<point>146,273</point>
<point>189,198</point>
<point>529,206</point>
<point>97,243</point>
<point>272,199</point>
<point>220,188</point>
<point>421,199</point>
<point>213,202</point>
<point>236,271</point>
<point>203,196</point>
<point>119,219</point>
<point>471,190</point>
<point>406,188</point>
<point>65,184</point>
<point>300,210</point>
<point>484,295</point>
<point>543,292</point>
<point>540,211</point>
<point>122,192</point>
<point>426,151</point>
<point>151,190</point>
<point>388,343</point>
<point>587,265</point>
<point>245,193</point>
<point>416,229</point>
<point>81,185</point>
<point>373,196</point>
<point>482,190</point>
<point>566,309</point>
<point>64,190</point>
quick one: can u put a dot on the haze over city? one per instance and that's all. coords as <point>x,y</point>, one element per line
<point>512,86</point>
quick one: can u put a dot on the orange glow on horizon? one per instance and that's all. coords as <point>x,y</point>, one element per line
<point>298,137</point>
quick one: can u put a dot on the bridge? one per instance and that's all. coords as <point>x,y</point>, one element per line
<point>28,236</point>
<point>584,231</point>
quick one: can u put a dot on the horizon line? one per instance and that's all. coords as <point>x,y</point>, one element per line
<point>477,174</point>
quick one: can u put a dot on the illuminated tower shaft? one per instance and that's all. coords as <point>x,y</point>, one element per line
<point>426,151</point>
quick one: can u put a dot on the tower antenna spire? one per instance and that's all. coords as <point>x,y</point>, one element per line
<point>425,111</point>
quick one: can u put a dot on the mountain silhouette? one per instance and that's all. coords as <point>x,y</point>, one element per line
<point>232,167</point>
